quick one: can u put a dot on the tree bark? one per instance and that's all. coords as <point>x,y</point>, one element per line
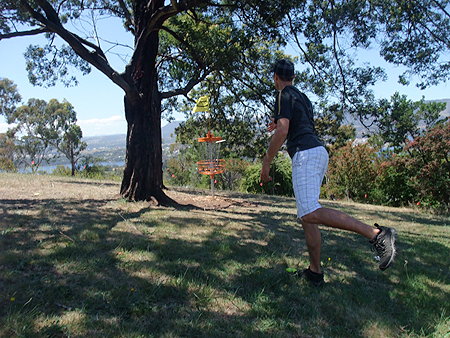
<point>143,175</point>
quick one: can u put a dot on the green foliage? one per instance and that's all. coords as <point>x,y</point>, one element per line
<point>45,126</point>
<point>413,46</point>
<point>401,119</point>
<point>8,153</point>
<point>352,171</point>
<point>417,175</point>
<point>62,170</point>
<point>234,172</point>
<point>34,151</point>
<point>47,65</point>
<point>94,171</point>
<point>240,104</point>
<point>281,173</point>
<point>7,165</point>
<point>182,166</point>
<point>9,97</point>
<point>393,184</point>
<point>329,125</point>
<point>398,120</point>
<point>429,158</point>
<point>367,173</point>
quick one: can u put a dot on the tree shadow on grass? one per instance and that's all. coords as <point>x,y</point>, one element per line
<point>86,268</point>
<point>89,183</point>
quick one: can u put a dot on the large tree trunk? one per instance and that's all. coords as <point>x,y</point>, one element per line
<point>143,175</point>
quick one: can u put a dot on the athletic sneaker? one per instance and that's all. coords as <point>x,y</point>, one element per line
<point>384,245</point>
<point>315,279</point>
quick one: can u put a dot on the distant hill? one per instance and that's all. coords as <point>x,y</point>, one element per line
<point>168,132</point>
<point>446,112</point>
<point>120,140</point>
<point>105,141</point>
<point>112,148</point>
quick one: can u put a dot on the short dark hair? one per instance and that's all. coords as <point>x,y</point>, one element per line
<point>286,78</point>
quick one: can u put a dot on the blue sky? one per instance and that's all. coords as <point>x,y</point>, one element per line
<point>99,102</point>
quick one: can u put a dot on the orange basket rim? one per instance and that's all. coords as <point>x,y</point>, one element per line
<point>209,138</point>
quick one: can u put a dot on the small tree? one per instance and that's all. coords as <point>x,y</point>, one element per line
<point>72,146</point>
<point>401,119</point>
<point>47,126</point>
<point>9,96</point>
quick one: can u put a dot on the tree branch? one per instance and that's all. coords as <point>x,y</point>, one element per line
<point>126,12</point>
<point>336,56</point>
<point>195,56</point>
<point>174,4</point>
<point>25,33</point>
<point>437,38</point>
<point>442,8</point>
<point>97,58</point>
<point>52,15</point>
<point>164,13</point>
<point>186,89</point>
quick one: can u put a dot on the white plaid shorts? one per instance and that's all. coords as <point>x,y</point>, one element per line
<point>308,170</point>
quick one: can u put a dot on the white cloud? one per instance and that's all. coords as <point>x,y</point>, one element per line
<point>3,127</point>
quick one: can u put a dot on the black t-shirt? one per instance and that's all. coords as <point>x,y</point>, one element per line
<point>297,108</point>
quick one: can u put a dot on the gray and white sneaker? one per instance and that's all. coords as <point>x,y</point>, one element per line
<point>384,246</point>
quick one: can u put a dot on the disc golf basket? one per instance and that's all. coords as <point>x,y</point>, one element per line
<point>211,164</point>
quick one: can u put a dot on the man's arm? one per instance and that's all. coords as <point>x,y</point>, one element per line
<point>276,142</point>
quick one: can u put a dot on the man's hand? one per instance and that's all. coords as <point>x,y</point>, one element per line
<point>272,125</point>
<point>265,172</point>
<point>282,128</point>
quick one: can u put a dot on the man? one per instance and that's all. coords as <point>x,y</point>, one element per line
<point>293,121</point>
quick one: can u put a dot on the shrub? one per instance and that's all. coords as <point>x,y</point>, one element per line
<point>7,165</point>
<point>393,184</point>
<point>352,171</point>
<point>430,163</point>
<point>281,173</point>
<point>62,170</point>
<point>179,172</point>
<point>231,178</point>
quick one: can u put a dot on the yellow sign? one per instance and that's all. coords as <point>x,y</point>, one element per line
<point>202,104</point>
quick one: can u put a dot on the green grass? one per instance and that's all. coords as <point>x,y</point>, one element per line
<point>77,261</point>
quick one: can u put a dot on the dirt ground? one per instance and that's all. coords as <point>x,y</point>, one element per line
<point>205,199</point>
<point>39,187</point>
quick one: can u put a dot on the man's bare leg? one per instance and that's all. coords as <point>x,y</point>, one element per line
<point>337,219</point>
<point>332,218</point>
<point>313,241</point>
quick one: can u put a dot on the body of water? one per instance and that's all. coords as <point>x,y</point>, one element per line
<point>49,168</point>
